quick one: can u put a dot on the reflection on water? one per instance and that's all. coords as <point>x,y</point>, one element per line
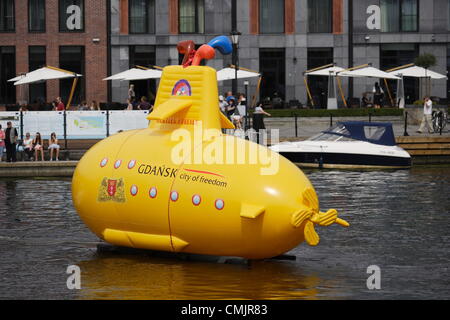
<point>399,222</point>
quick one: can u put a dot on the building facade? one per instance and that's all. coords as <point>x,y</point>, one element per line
<point>280,38</point>
<point>284,38</point>
<point>69,34</point>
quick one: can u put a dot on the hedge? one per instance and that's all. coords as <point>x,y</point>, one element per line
<point>319,113</point>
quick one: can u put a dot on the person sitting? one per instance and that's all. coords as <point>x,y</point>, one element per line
<point>38,147</point>
<point>94,106</point>
<point>129,105</point>
<point>2,142</point>
<point>53,146</point>
<point>144,104</point>
<point>83,106</point>
<point>366,101</point>
<point>237,119</point>
<point>59,105</point>
<point>28,146</point>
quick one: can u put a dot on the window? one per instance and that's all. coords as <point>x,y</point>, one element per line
<point>36,15</point>
<point>191,16</point>
<point>7,16</point>
<point>320,16</point>
<point>7,71</point>
<point>318,57</point>
<point>142,16</point>
<point>71,15</point>
<point>71,58</point>
<point>37,59</point>
<point>272,64</point>
<point>399,16</point>
<point>143,56</point>
<point>448,71</point>
<point>394,55</point>
<point>271,16</point>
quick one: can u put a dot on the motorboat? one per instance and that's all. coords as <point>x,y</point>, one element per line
<point>348,145</point>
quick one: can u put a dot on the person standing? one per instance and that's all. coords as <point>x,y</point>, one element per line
<point>223,105</point>
<point>378,94</point>
<point>427,115</point>
<point>2,142</point>
<point>11,142</point>
<point>131,93</point>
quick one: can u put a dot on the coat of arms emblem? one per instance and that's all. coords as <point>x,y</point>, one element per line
<point>112,190</point>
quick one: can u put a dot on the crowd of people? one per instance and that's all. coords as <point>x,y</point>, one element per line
<point>235,109</point>
<point>33,148</point>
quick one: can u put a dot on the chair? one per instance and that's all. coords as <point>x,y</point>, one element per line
<point>354,103</point>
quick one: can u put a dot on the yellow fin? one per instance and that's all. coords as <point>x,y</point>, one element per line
<point>169,108</point>
<point>299,217</point>
<point>225,123</point>
<point>251,211</point>
<point>311,235</point>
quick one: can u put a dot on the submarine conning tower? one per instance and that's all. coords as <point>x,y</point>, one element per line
<point>188,94</point>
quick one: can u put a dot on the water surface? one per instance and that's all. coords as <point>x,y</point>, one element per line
<point>399,222</point>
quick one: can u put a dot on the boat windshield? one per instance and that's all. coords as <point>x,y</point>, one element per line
<point>378,133</point>
<point>329,137</point>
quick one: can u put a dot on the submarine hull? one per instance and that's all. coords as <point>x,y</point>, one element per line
<point>132,190</point>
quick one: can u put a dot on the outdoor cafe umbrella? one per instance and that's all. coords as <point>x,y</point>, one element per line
<point>50,73</point>
<point>230,74</point>
<point>15,79</point>
<point>413,71</point>
<point>367,71</point>
<point>140,73</point>
<point>330,71</point>
<point>44,74</point>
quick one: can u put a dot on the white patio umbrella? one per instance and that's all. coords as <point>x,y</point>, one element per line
<point>50,73</point>
<point>124,74</point>
<point>44,74</point>
<point>412,71</point>
<point>330,72</point>
<point>140,74</point>
<point>230,74</point>
<point>15,79</point>
<point>367,72</point>
<point>418,72</point>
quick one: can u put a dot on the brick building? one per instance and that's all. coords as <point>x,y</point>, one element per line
<point>70,34</point>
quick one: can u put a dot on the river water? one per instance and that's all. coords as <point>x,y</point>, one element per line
<point>399,222</point>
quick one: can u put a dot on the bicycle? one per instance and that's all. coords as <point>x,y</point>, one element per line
<point>439,120</point>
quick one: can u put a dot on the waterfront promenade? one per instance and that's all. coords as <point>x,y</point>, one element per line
<point>424,148</point>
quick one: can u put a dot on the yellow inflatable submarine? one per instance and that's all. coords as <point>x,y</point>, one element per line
<point>182,186</point>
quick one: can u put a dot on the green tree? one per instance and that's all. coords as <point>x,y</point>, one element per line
<point>426,60</point>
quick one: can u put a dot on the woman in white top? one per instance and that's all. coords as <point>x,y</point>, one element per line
<point>259,110</point>
<point>53,146</point>
<point>28,146</point>
<point>258,119</point>
<point>427,115</point>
